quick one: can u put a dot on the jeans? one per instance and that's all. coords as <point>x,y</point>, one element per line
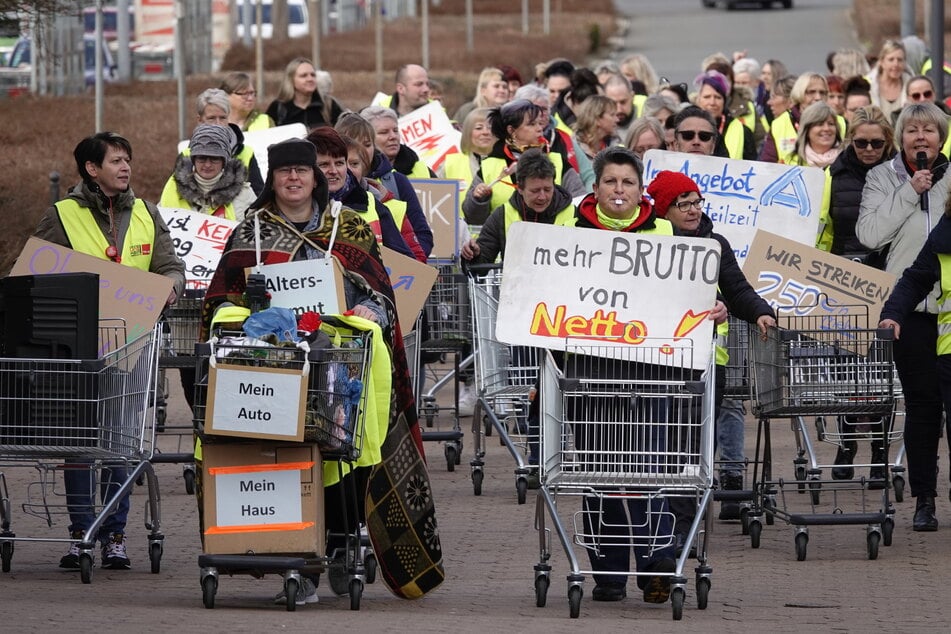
<point>730,436</point>
<point>79,477</point>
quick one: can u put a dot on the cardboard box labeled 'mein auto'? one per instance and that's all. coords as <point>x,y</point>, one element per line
<point>264,497</point>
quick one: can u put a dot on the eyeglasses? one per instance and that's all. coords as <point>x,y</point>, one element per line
<point>928,94</point>
<point>688,135</point>
<point>300,170</point>
<point>685,205</point>
<point>246,93</point>
<point>863,144</point>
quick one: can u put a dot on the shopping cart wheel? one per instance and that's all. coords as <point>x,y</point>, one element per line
<point>209,586</point>
<point>356,591</point>
<point>745,521</point>
<point>898,486</point>
<point>874,537</point>
<point>802,540</point>
<point>189,476</point>
<point>85,568</point>
<point>290,592</point>
<point>451,452</point>
<point>161,415</point>
<point>477,477</point>
<point>677,596</point>
<point>888,527</point>
<point>6,555</point>
<point>155,557</point>
<point>521,489</point>
<point>574,601</point>
<point>769,505</point>
<point>756,529</point>
<point>370,564</point>
<point>541,590</point>
<point>703,592</point>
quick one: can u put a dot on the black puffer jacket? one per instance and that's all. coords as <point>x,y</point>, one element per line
<point>848,178</point>
<point>740,298</point>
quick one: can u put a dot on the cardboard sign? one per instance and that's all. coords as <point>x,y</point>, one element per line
<point>307,285</point>
<point>199,241</point>
<point>612,289</point>
<point>429,132</point>
<point>440,202</point>
<point>263,497</point>
<point>256,402</point>
<point>743,196</point>
<point>411,281</point>
<point>137,297</point>
<point>799,280</point>
<point>260,140</point>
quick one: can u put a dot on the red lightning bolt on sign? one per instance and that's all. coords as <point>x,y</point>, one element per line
<point>689,322</point>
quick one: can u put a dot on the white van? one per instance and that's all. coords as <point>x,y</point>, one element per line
<point>297,24</point>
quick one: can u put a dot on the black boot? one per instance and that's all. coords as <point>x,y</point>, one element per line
<point>925,521</point>
<point>729,509</point>
<point>879,470</point>
<point>844,456</point>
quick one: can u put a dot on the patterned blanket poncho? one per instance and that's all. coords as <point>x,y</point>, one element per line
<point>400,510</point>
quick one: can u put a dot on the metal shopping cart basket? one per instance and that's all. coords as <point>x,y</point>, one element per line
<point>336,406</point>
<point>506,377</point>
<point>826,363</point>
<point>89,415</point>
<point>634,430</point>
<point>446,331</point>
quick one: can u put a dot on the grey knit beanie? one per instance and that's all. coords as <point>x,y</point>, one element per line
<point>212,140</point>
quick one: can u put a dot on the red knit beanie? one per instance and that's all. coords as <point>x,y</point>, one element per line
<point>666,187</point>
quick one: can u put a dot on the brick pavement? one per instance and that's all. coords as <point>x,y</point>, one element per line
<point>490,548</point>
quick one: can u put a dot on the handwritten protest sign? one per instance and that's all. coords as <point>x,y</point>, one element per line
<point>127,293</point>
<point>306,286</point>
<point>429,132</point>
<point>411,281</point>
<point>440,202</point>
<point>800,280</point>
<point>199,241</point>
<point>743,196</point>
<point>612,289</point>
<point>259,140</point>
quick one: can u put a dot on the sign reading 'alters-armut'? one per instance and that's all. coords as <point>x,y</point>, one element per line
<point>613,289</point>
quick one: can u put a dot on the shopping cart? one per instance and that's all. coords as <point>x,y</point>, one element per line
<point>58,415</point>
<point>446,332</point>
<point>335,420</point>
<point>826,363</point>
<point>179,334</point>
<point>637,429</point>
<point>506,377</point>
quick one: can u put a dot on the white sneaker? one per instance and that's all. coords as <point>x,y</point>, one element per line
<point>467,399</point>
<point>306,593</point>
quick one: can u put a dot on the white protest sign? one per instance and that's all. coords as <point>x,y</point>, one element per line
<point>256,402</point>
<point>612,289</point>
<point>440,202</point>
<point>743,196</point>
<point>429,132</point>
<point>259,140</point>
<point>306,286</point>
<point>199,240</point>
<point>259,497</point>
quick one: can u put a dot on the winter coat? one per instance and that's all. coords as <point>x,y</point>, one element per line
<point>848,179</point>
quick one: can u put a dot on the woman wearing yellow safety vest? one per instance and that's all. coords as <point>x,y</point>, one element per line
<point>781,140</point>
<point>517,126</point>
<point>243,99</point>
<point>208,180</point>
<point>818,141</point>
<point>733,138</point>
<point>476,143</point>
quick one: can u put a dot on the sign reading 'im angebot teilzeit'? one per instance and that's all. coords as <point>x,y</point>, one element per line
<point>256,402</point>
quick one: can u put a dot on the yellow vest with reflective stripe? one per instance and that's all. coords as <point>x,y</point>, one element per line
<point>722,356</point>
<point>172,198</point>
<point>734,139</point>
<point>638,102</point>
<point>511,215</point>
<point>784,136</point>
<point>420,170</point>
<point>458,167</point>
<point>824,239</point>
<point>397,208</point>
<point>372,218</point>
<point>491,169</point>
<point>86,237</point>
<point>944,305</point>
<point>260,122</point>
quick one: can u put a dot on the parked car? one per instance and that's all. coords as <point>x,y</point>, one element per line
<point>735,4</point>
<point>21,59</point>
<point>297,18</point>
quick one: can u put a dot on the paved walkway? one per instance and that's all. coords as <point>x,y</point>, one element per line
<point>490,547</point>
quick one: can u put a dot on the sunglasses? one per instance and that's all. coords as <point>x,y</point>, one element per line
<point>928,94</point>
<point>863,144</point>
<point>688,135</point>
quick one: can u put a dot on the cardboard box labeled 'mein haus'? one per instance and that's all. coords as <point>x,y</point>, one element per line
<point>264,497</point>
